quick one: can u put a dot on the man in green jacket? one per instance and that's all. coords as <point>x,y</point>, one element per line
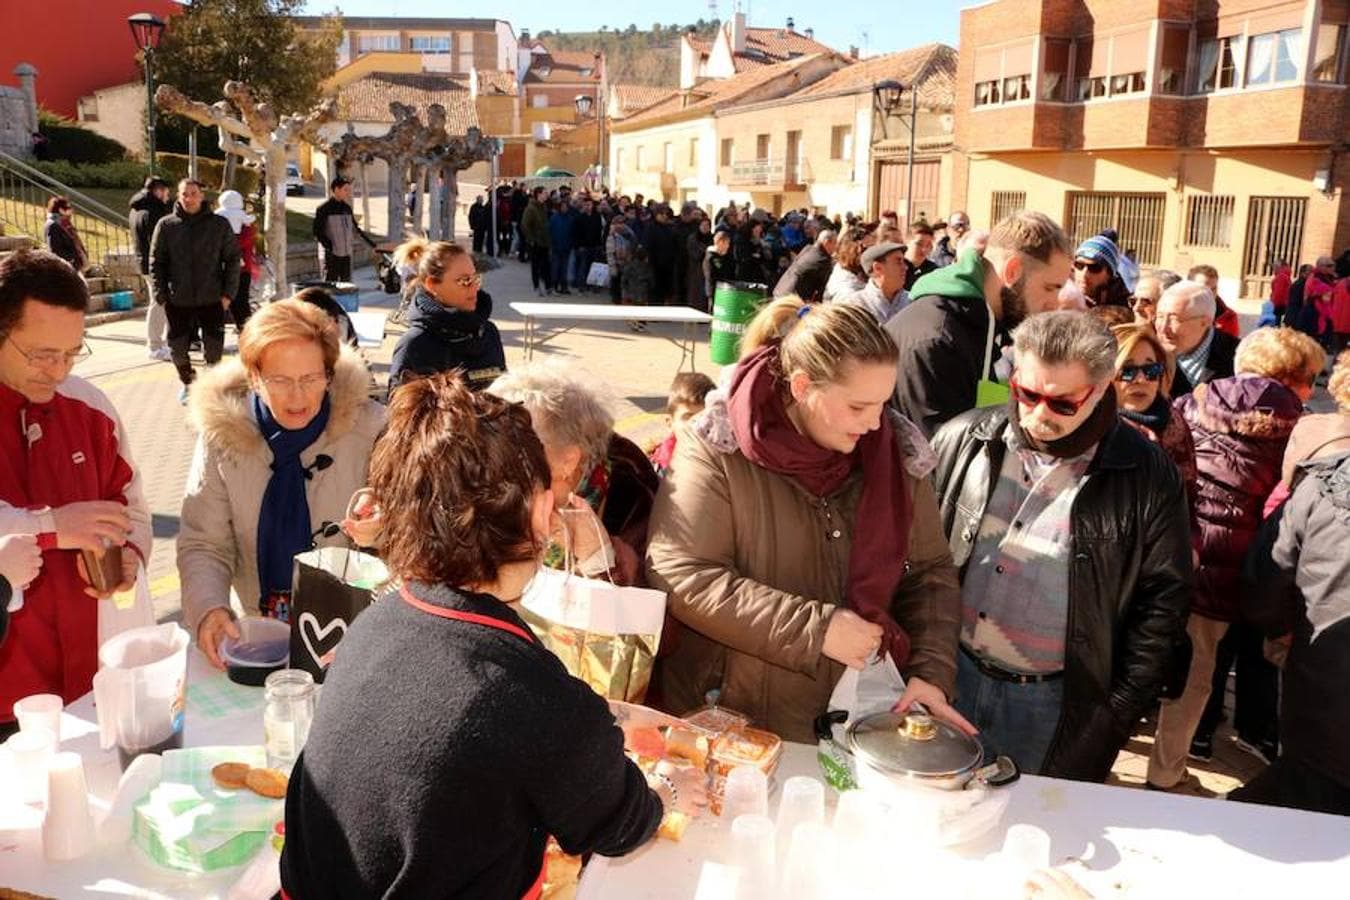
<point>534,230</point>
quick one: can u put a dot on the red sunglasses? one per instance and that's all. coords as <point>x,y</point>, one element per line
<point>1061,406</point>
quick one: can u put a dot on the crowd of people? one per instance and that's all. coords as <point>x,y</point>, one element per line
<point>1055,489</point>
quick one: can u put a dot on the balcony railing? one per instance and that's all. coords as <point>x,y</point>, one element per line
<point>768,172</point>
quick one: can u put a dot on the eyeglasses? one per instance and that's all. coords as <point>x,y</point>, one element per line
<point>46,359</point>
<point>1151,372</point>
<point>1094,267</point>
<point>308,384</point>
<point>1059,405</point>
<point>469,280</point>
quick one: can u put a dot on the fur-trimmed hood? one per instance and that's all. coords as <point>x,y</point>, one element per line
<point>1250,406</point>
<point>218,405</point>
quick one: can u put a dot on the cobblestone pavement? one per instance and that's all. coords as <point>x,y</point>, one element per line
<point>638,369</point>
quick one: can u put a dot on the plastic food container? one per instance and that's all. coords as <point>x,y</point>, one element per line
<point>740,747</point>
<point>264,646</point>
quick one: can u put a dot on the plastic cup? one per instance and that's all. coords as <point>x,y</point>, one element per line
<point>746,794</point>
<point>68,829</point>
<point>862,831</point>
<point>1027,847</point>
<point>809,871</point>
<point>802,801</point>
<point>40,712</point>
<point>752,853</point>
<point>30,751</point>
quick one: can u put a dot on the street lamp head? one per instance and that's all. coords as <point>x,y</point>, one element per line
<point>146,30</point>
<point>584,103</point>
<point>888,94</point>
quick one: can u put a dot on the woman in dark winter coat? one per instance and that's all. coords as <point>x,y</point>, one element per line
<point>448,324</point>
<point>61,236</point>
<point>696,248</point>
<point>1241,426</point>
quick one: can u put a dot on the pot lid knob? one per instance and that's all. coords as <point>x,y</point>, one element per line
<point>918,727</point>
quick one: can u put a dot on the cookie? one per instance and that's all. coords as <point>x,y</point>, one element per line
<point>267,783</point>
<point>230,775</point>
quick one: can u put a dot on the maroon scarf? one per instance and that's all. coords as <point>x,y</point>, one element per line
<point>767,437</point>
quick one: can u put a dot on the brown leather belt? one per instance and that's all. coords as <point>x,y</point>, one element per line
<point>994,672</point>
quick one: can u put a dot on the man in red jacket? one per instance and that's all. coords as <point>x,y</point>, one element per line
<point>66,475</point>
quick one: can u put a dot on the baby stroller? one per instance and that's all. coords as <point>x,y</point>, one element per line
<point>386,272</point>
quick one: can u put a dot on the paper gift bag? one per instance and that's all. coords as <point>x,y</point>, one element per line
<point>604,634</point>
<point>598,276</point>
<point>329,588</point>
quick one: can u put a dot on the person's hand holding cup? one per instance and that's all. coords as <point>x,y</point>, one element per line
<point>364,521</point>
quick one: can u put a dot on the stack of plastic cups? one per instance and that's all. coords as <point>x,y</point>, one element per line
<point>68,829</point>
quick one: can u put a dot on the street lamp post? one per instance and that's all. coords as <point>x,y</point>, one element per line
<point>585,103</point>
<point>146,30</point>
<point>886,97</point>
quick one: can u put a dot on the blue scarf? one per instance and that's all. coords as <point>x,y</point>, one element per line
<point>283,525</point>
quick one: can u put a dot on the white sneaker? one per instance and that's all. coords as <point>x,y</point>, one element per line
<point>161,354</point>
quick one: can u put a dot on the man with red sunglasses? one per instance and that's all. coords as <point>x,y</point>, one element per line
<point>1072,537</point>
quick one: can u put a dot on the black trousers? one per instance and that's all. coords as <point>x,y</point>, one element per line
<point>336,268</point>
<point>1257,687</point>
<point>539,267</point>
<point>240,309</point>
<point>1297,786</point>
<point>478,236</point>
<point>184,321</point>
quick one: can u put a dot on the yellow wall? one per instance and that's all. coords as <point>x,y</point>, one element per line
<point>1048,177</point>
<point>406,63</point>
<point>699,177</point>
<point>496,114</point>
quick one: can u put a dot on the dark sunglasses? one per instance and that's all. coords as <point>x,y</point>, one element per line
<point>1151,372</point>
<point>1060,406</point>
<point>1094,267</point>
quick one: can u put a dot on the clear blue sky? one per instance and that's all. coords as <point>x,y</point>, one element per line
<point>878,25</point>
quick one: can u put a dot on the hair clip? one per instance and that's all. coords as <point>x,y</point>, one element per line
<point>801,313</point>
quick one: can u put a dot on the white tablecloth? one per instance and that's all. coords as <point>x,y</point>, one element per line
<point>120,871</point>
<point>1135,844</point>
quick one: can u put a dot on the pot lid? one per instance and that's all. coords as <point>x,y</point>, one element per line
<point>913,744</point>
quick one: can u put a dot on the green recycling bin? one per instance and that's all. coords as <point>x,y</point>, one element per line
<point>734,305</point>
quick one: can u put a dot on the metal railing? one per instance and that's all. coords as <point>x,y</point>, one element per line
<point>24,192</point>
<point>768,172</point>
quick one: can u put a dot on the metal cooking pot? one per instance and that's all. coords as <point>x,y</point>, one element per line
<point>917,748</point>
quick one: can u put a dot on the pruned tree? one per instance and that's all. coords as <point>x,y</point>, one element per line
<point>254,132</point>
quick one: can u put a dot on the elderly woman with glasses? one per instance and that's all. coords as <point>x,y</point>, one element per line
<point>285,433</point>
<point>449,323</point>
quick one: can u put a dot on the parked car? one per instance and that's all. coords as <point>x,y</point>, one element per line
<point>294,183</point>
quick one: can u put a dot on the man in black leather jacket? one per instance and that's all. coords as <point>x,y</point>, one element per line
<point>1072,537</point>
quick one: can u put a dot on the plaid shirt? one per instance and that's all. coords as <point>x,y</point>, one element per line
<point>1014,594</point>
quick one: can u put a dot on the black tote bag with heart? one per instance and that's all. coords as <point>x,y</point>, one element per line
<point>330,587</point>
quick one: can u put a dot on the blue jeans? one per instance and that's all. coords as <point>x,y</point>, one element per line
<point>1017,720</point>
<point>558,277</point>
<point>582,257</point>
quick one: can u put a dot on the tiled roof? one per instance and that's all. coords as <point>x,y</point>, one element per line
<point>496,81</point>
<point>367,99</point>
<point>934,65</point>
<point>764,46</point>
<point>634,97</point>
<point>715,93</point>
<point>562,66</point>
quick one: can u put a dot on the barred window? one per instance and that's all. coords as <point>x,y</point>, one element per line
<point>1004,204</point>
<point>1209,221</point>
<point>1136,218</point>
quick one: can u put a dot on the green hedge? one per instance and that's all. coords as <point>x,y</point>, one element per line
<point>125,174</point>
<point>70,142</point>
<point>173,166</point>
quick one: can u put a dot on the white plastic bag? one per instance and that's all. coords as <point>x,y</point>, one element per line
<point>126,610</point>
<point>874,689</point>
<point>598,276</point>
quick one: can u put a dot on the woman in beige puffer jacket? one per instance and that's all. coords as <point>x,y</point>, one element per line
<point>231,467</point>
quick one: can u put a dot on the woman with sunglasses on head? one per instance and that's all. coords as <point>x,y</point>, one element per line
<point>448,322</point>
<point>284,438</point>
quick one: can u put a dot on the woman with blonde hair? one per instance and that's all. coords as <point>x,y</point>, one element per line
<point>1144,371</point>
<point>1241,427</point>
<point>449,323</point>
<point>285,432</point>
<point>797,533</point>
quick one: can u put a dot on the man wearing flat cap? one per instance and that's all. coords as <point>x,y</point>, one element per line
<point>884,294</point>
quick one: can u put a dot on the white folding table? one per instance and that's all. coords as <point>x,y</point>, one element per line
<point>533,313</point>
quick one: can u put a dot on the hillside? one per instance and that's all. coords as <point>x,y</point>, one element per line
<point>634,56</point>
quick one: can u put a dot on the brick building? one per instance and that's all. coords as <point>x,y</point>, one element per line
<point>1204,131</point>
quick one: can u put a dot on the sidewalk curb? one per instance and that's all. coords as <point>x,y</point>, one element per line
<point>107,318</point>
